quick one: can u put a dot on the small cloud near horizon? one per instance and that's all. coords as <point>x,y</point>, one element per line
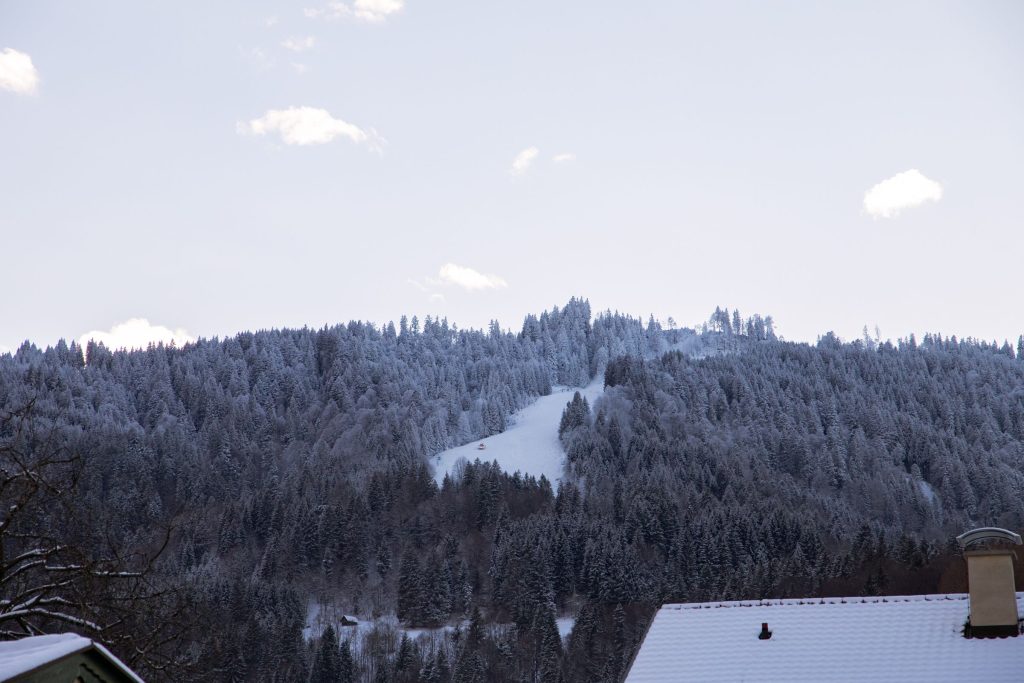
<point>451,274</point>
<point>564,157</point>
<point>372,11</point>
<point>522,162</point>
<point>136,333</point>
<point>17,72</point>
<point>902,191</point>
<point>469,279</point>
<point>307,126</point>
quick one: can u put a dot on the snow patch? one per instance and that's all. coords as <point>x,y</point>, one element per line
<point>565,625</point>
<point>319,617</point>
<point>416,633</point>
<point>926,490</point>
<point>531,444</point>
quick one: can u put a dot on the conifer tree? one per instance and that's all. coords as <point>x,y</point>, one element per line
<point>327,665</point>
<point>346,665</point>
<point>410,589</point>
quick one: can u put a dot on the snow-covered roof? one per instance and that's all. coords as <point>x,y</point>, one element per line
<point>894,638</point>
<point>18,657</point>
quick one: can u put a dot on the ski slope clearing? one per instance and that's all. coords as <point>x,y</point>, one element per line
<point>565,624</point>
<point>530,445</point>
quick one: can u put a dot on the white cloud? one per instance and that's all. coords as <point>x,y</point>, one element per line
<point>564,157</point>
<point>306,126</point>
<point>524,160</point>
<point>366,10</point>
<point>469,279</point>
<point>902,191</point>
<point>300,68</point>
<point>17,73</point>
<point>136,333</point>
<point>299,44</point>
<point>270,22</point>
<point>376,10</point>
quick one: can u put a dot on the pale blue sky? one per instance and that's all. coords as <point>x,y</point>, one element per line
<point>722,155</point>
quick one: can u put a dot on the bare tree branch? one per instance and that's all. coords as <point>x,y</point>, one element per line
<point>55,573</point>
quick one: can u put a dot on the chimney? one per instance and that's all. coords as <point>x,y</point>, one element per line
<point>990,582</point>
<point>765,633</point>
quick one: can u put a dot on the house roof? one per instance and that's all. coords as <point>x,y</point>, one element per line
<point>24,656</point>
<point>904,638</point>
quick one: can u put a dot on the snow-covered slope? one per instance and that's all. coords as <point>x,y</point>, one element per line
<point>531,444</point>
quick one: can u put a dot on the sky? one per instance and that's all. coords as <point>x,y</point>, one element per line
<point>182,170</point>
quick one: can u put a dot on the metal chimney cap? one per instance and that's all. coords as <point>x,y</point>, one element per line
<point>986,533</point>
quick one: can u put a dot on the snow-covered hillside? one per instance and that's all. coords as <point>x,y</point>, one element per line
<point>530,445</point>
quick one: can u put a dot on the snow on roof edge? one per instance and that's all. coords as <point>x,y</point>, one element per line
<point>837,600</point>
<point>117,662</point>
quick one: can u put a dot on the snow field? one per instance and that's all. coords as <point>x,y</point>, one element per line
<point>530,445</point>
<point>317,619</point>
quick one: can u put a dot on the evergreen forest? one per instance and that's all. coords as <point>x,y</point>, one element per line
<point>196,507</point>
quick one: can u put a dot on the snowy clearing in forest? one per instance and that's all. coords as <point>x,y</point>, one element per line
<point>318,618</point>
<point>926,490</point>
<point>530,445</point>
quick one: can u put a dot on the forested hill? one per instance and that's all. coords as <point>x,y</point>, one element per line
<point>923,437</point>
<point>354,394</point>
<point>290,469</point>
<point>748,471</point>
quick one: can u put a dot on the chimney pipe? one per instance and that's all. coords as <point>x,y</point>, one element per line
<point>765,634</point>
<point>990,581</point>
